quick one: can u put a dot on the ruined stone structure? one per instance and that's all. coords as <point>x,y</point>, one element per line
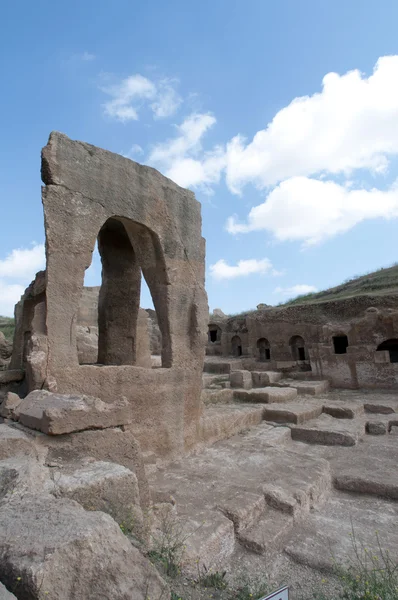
<point>351,342</point>
<point>145,224</point>
<point>283,469</point>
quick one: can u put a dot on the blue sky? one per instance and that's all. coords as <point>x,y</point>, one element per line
<point>282,117</point>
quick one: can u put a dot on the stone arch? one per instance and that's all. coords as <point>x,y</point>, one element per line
<point>391,346</point>
<point>214,333</point>
<point>127,250</point>
<point>236,344</point>
<point>297,347</point>
<point>263,349</point>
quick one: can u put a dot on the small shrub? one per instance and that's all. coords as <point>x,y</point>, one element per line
<point>215,579</point>
<point>169,545</point>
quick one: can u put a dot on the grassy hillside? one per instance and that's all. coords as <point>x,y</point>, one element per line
<point>383,281</point>
<point>7,327</point>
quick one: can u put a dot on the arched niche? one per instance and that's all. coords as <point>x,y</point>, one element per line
<point>263,349</point>
<point>297,348</point>
<point>236,345</point>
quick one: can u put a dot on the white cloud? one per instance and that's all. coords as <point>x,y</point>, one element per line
<point>295,290</point>
<point>9,296</point>
<point>351,124</point>
<point>134,150</point>
<point>222,270</point>
<point>125,96</point>
<point>167,100</point>
<point>178,157</point>
<point>131,93</point>
<point>87,56</point>
<point>311,210</point>
<point>23,263</point>
<point>20,266</point>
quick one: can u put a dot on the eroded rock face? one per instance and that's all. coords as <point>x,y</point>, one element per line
<point>5,351</point>
<point>53,547</point>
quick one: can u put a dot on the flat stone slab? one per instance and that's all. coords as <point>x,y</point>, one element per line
<point>266,395</point>
<point>380,408</point>
<point>219,365</point>
<point>328,431</point>
<point>56,414</point>
<point>343,410</point>
<point>370,469</point>
<point>221,421</point>
<point>309,388</point>
<point>327,535</point>
<point>291,413</point>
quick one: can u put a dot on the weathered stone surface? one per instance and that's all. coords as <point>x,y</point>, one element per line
<point>56,414</point>
<point>264,378</point>
<point>309,388</point>
<point>243,509</point>
<point>15,443</point>
<point>55,546</point>
<point>291,413</point>
<point>210,540</point>
<point>87,344</point>
<point>376,427</point>
<point>103,486</point>
<point>343,410</point>
<point>371,469</point>
<point>378,408</point>
<point>326,430</point>
<point>268,533</point>
<point>5,351</point>
<point>109,445</point>
<point>241,379</point>
<point>266,395</point>
<point>222,421</point>
<point>5,594</point>
<point>9,406</point>
<point>326,537</point>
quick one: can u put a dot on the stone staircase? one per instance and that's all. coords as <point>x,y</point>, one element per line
<point>287,460</point>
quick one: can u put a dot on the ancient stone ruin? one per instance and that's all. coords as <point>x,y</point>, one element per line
<point>131,464</point>
<point>352,342</point>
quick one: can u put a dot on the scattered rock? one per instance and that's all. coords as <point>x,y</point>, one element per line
<point>376,428</point>
<point>55,546</point>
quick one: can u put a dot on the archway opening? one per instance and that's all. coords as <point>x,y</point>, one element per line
<point>236,344</point>
<point>297,348</point>
<point>263,350</point>
<point>214,333</point>
<point>340,344</point>
<point>392,347</point>
<point>116,330</point>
